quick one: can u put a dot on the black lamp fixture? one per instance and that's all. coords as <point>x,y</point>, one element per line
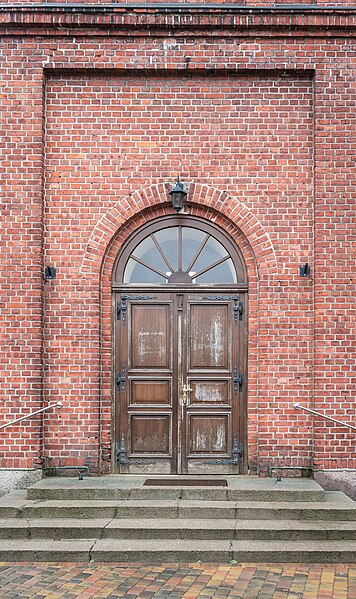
<point>178,195</point>
<point>50,273</point>
<point>304,270</point>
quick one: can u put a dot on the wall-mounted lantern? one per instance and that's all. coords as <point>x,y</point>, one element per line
<point>304,270</point>
<point>178,195</point>
<point>50,273</point>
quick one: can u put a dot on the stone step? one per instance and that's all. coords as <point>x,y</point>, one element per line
<point>88,490</point>
<point>336,507</point>
<point>125,550</point>
<point>58,529</point>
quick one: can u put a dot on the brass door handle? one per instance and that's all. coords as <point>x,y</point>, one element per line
<point>185,393</point>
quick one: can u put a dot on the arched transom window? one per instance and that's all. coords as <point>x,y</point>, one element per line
<point>186,253</point>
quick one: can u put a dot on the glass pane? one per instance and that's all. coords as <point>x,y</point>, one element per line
<point>212,252</point>
<point>147,252</point>
<point>223,273</point>
<point>168,240</point>
<point>191,242</point>
<point>137,273</point>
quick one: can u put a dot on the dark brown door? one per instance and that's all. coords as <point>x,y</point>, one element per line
<point>179,383</point>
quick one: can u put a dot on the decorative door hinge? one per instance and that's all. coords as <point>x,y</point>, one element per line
<point>121,454</point>
<point>236,455</point>
<point>238,380</point>
<point>121,380</point>
<point>121,306</point>
<point>238,306</point>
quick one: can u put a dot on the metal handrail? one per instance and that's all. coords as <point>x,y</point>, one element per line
<point>53,405</point>
<point>299,407</point>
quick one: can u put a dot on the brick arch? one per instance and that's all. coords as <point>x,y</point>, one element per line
<point>105,242</point>
<point>133,207</point>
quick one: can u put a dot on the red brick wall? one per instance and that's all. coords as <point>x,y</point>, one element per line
<point>249,3</point>
<point>86,151</point>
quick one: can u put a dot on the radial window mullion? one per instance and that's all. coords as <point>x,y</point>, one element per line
<point>201,272</point>
<point>170,267</point>
<point>180,254</point>
<point>198,253</point>
<point>158,272</point>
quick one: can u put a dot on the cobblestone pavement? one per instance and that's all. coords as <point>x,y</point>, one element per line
<point>176,581</point>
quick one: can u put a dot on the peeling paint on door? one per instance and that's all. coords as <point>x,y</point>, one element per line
<point>151,342</point>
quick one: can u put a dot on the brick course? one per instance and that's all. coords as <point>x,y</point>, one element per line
<point>259,118</point>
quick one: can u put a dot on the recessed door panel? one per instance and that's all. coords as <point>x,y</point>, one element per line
<point>150,393</point>
<point>210,392</point>
<point>209,435</point>
<point>150,434</point>
<point>209,337</point>
<point>150,336</point>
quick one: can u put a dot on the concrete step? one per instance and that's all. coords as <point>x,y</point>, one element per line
<point>59,529</point>
<point>336,507</point>
<point>123,550</point>
<point>126,523</point>
<point>110,489</point>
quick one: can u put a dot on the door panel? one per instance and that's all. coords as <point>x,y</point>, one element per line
<point>208,434</point>
<point>150,434</point>
<point>210,391</point>
<point>166,344</point>
<point>151,338</point>
<point>145,392</point>
<point>209,339</point>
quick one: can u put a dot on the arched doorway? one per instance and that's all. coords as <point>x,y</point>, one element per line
<point>180,292</point>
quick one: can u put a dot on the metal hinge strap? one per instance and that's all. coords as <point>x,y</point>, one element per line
<point>121,306</point>
<point>121,380</point>
<point>238,380</point>
<point>238,306</point>
<point>236,455</point>
<point>121,454</point>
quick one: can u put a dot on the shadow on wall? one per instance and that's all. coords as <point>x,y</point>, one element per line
<point>344,481</point>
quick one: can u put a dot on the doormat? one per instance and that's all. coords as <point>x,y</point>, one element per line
<point>184,482</point>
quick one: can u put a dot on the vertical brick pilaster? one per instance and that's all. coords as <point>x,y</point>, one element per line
<point>21,264</point>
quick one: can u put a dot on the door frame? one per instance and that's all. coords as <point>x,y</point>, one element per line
<point>242,291</point>
<point>240,288</point>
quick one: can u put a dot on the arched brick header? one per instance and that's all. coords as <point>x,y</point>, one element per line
<point>151,197</point>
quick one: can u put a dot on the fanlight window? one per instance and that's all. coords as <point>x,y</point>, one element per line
<point>180,255</point>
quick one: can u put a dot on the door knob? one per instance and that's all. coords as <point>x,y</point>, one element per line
<point>185,393</point>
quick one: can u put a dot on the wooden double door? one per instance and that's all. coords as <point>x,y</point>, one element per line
<point>180,382</point>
